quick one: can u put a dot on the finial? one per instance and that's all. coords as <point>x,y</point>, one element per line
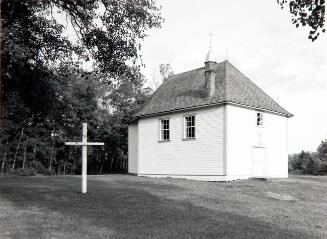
<point>210,55</point>
<point>226,53</point>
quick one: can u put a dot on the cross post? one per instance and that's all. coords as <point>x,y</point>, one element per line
<point>84,145</point>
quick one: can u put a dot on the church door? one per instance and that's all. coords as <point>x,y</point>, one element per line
<point>258,162</point>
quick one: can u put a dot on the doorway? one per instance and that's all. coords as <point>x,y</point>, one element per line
<point>258,162</point>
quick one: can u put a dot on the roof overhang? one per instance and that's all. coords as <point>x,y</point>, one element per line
<point>134,118</point>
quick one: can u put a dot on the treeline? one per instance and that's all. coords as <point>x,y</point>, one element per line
<point>314,163</point>
<point>51,84</point>
<point>33,142</point>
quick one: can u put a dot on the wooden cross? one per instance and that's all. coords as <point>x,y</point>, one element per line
<point>84,145</point>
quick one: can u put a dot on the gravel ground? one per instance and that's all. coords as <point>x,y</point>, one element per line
<point>123,206</point>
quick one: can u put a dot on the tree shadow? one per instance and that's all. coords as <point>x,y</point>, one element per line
<point>131,212</point>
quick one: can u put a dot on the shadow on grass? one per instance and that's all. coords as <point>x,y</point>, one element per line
<point>124,211</point>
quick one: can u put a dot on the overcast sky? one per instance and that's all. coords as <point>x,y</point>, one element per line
<point>262,43</point>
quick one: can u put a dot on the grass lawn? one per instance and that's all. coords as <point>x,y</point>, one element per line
<point>122,206</point>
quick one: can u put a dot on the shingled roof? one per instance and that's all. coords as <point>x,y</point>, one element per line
<point>187,90</point>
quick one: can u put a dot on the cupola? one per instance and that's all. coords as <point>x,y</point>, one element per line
<point>210,66</point>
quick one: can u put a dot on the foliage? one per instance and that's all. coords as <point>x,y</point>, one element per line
<point>309,162</point>
<point>322,151</point>
<point>108,31</point>
<point>166,71</point>
<point>307,12</point>
<point>160,74</point>
<point>47,91</point>
<point>22,172</point>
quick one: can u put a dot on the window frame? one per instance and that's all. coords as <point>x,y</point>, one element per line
<point>259,122</point>
<point>185,127</point>
<point>162,130</point>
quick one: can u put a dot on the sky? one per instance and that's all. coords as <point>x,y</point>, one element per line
<point>258,38</point>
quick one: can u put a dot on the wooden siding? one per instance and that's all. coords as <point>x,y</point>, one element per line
<point>133,148</point>
<point>202,156</point>
<point>243,136</point>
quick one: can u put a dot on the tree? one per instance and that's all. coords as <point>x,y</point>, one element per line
<point>166,71</point>
<point>159,75</point>
<point>322,151</point>
<point>307,12</point>
<point>46,90</point>
<point>33,43</point>
<point>108,31</point>
<point>124,99</point>
<point>309,162</point>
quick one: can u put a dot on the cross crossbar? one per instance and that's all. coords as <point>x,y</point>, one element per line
<point>83,143</point>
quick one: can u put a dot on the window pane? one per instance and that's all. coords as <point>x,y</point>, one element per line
<point>189,133</point>
<point>192,132</point>
<point>166,135</point>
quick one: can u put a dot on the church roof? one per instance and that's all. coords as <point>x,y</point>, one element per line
<point>187,90</point>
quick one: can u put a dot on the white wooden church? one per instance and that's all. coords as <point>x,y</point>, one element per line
<point>210,123</point>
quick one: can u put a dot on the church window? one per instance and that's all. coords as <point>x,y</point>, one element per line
<point>189,122</point>
<point>164,130</point>
<point>259,119</point>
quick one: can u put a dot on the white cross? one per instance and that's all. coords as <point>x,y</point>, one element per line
<point>259,138</point>
<point>84,145</point>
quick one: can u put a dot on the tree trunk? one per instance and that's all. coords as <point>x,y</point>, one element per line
<point>17,148</point>
<point>51,156</point>
<point>97,160</point>
<point>34,149</point>
<point>74,164</point>
<point>100,161</point>
<point>111,161</point>
<point>24,154</point>
<point>4,159</point>
<point>105,160</point>
<point>3,163</point>
<point>34,154</point>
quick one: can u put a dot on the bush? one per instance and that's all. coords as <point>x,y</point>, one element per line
<point>22,172</point>
<point>306,163</point>
<point>44,171</point>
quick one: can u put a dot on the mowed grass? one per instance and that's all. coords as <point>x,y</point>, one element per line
<point>122,206</point>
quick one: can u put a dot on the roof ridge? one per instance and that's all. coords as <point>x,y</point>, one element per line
<point>189,71</point>
<point>185,73</point>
